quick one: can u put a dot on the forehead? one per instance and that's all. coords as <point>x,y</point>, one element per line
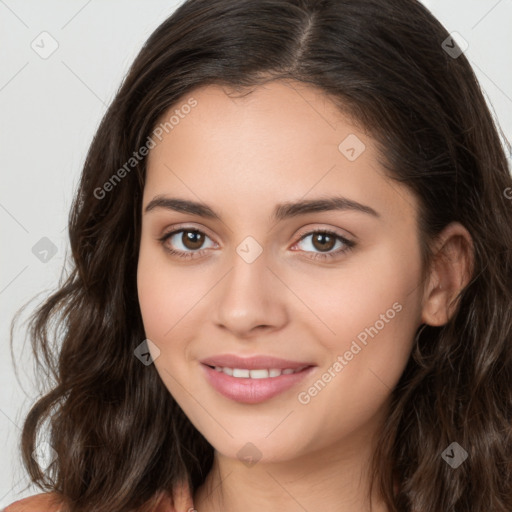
<point>282,141</point>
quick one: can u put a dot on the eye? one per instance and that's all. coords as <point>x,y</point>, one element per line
<point>190,240</point>
<point>324,240</point>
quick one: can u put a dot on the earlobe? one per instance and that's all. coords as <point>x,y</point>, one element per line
<point>435,311</point>
<point>451,271</point>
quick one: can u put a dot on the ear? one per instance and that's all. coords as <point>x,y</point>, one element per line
<point>451,270</point>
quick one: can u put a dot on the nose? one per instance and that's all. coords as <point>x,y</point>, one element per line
<point>250,298</point>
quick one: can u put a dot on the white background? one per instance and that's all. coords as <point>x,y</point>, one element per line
<point>50,109</point>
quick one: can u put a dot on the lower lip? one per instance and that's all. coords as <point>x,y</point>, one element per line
<point>252,391</point>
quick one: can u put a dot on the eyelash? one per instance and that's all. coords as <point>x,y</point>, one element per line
<point>349,244</point>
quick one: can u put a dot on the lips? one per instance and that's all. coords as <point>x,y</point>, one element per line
<point>249,384</point>
<point>254,362</point>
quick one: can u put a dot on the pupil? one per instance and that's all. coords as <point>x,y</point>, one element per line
<point>189,239</point>
<point>323,238</point>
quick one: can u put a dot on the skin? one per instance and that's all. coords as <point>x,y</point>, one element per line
<point>243,156</point>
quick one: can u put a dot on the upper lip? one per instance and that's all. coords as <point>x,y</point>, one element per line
<point>253,362</point>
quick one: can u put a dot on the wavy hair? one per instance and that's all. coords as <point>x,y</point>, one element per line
<point>119,435</point>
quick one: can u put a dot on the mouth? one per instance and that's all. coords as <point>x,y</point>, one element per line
<point>263,373</point>
<point>255,385</point>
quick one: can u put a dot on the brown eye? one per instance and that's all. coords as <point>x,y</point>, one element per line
<point>192,239</point>
<point>323,241</point>
<point>185,243</point>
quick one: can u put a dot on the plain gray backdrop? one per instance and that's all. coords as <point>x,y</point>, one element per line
<point>61,63</point>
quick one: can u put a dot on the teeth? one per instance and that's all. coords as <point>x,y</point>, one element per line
<point>259,374</point>
<point>240,373</point>
<point>256,374</point>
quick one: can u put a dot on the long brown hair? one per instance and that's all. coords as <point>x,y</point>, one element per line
<point>119,435</point>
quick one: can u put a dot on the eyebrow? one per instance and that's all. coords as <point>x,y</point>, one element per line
<point>281,211</point>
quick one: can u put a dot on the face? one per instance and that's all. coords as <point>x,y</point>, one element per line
<point>332,286</point>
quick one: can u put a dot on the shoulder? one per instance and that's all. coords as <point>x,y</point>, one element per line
<point>180,499</point>
<point>45,502</point>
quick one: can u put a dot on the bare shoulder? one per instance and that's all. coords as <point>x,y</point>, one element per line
<point>44,502</point>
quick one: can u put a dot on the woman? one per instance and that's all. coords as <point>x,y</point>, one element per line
<point>292,280</point>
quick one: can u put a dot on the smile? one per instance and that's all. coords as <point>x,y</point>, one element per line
<point>244,373</point>
<point>256,385</point>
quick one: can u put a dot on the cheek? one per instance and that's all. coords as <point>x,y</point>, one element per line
<point>165,292</point>
<point>372,315</point>
<point>366,290</point>
<point>172,301</point>
<point>152,296</point>
<point>164,299</point>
